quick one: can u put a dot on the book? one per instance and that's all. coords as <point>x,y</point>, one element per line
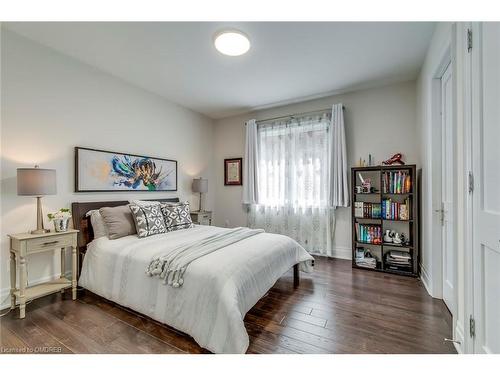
<point>403,212</point>
<point>358,209</point>
<point>399,254</point>
<point>398,260</point>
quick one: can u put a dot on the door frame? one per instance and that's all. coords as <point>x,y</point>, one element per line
<point>449,70</point>
<point>436,167</point>
<point>470,70</point>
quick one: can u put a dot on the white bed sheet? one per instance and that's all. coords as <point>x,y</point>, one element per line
<point>219,288</point>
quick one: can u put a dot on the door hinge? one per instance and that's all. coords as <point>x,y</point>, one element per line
<point>471,182</point>
<point>472,327</point>
<point>469,40</point>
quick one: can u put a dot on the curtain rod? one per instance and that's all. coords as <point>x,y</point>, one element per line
<point>296,115</point>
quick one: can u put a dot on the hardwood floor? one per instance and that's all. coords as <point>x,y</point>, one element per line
<point>334,310</point>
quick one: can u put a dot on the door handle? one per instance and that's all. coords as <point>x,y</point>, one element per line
<point>441,211</point>
<point>452,340</point>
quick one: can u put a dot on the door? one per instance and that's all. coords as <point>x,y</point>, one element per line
<point>486,194</point>
<point>447,187</point>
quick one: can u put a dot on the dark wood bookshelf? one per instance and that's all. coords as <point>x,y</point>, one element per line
<point>410,225</point>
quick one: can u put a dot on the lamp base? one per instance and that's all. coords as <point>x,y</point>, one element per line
<point>39,218</point>
<point>40,231</point>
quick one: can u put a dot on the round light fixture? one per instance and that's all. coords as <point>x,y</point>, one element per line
<point>232,43</point>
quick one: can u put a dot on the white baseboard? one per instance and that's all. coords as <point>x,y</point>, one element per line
<point>342,252</point>
<point>426,280</point>
<point>5,292</point>
<point>339,252</point>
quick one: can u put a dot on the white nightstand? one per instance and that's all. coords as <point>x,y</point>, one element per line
<point>201,217</point>
<point>24,244</point>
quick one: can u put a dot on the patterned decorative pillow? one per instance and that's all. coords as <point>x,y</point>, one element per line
<point>177,216</point>
<point>148,220</point>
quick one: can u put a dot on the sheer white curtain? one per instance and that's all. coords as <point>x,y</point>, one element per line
<point>293,182</point>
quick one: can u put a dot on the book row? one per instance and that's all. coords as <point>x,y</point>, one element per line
<point>369,233</point>
<point>395,210</point>
<point>367,210</point>
<point>396,182</point>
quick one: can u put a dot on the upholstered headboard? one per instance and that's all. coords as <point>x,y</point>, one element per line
<point>82,222</point>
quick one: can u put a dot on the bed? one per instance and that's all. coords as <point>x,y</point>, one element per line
<point>218,290</point>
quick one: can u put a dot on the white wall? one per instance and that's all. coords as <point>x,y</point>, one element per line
<point>380,121</point>
<point>448,42</point>
<point>429,140</point>
<point>51,103</point>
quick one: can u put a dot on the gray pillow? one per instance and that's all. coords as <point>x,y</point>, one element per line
<point>118,221</point>
<point>177,216</point>
<point>148,219</point>
<point>98,226</point>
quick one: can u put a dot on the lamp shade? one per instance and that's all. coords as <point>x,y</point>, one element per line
<point>200,185</point>
<point>36,181</point>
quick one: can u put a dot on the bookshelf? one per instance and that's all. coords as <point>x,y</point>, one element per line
<point>390,204</point>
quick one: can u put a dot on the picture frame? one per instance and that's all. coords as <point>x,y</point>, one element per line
<point>233,171</point>
<point>109,171</point>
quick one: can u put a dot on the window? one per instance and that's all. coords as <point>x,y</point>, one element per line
<point>293,162</point>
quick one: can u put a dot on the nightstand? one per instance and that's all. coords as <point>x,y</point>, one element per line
<point>24,244</point>
<point>201,217</point>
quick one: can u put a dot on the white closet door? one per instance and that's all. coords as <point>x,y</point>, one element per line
<point>447,168</point>
<point>486,196</point>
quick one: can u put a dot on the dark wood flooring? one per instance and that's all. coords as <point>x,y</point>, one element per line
<point>334,310</point>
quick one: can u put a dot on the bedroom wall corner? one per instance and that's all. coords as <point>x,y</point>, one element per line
<point>51,103</point>
<point>389,110</point>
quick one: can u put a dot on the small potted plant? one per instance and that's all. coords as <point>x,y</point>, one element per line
<point>60,219</point>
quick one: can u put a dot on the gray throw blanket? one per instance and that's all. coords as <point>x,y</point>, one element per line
<point>170,267</point>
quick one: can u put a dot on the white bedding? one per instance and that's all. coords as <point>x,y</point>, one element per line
<point>218,289</point>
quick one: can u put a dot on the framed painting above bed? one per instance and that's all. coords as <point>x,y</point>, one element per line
<point>108,171</point>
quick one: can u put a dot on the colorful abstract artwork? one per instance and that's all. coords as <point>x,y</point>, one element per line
<point>98,170</point>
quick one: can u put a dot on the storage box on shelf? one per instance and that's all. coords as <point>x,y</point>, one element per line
<point>384,204</point>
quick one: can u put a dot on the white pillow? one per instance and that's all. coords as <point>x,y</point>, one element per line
<point>98,225</point>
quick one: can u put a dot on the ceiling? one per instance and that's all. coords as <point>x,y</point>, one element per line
<point>288,61</point>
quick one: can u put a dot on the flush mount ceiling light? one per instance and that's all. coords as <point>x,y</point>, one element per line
<point>231,43</point>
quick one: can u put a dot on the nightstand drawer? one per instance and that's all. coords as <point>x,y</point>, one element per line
<point>53,242</point>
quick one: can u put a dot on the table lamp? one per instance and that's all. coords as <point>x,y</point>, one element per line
<point>200,185</point>
<point>36,182</point>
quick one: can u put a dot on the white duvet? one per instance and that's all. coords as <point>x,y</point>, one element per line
<point>219,288</point>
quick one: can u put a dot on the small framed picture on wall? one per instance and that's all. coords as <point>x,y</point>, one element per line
<point>233,171</point>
